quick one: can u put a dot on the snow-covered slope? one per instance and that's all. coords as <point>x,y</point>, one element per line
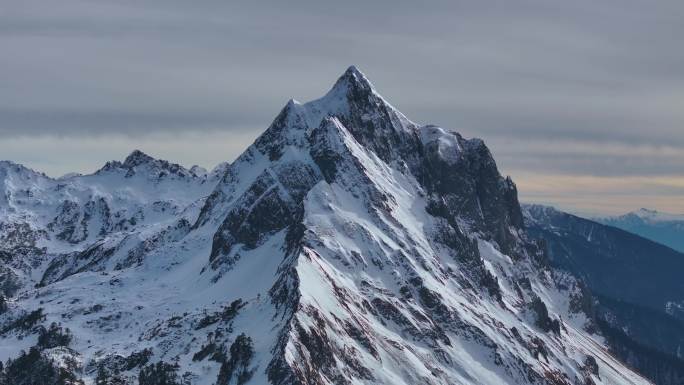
<point>347,245</point>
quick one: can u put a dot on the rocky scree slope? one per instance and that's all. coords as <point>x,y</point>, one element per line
<point>347,245</point>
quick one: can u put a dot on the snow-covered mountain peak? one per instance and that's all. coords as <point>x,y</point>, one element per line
<point>8,167</point>
<point>657,216</point>
<point>352,80</point>
<point>136,158</point>
<point>662,227</point>
<point>352,94</point>
<point>371,120</point>
<point>347,245</point>
<point>643,215</point>
<point>137,163</point>
<point>645,211</point>
<point>198,170</point>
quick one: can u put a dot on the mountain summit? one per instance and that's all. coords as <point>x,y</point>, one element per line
<point>347,245</point>
<point>137,158</point>
<point>657,226</point>
<point>353,78</point>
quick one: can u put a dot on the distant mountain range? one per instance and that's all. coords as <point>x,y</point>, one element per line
<point>637,286</point>
<point>664,228</point>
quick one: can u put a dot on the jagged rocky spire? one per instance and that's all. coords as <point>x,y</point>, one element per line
<point>352,80</point>
<point>137,158</point>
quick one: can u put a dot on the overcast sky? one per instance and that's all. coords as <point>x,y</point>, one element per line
<point>581,102</point>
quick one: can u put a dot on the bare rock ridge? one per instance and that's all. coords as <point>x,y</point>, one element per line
<point>347,245</point>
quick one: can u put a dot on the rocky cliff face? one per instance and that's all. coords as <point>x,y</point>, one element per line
<point>347,245</point>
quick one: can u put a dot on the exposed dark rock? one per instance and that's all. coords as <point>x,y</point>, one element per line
<point>543,320</point>
<point>66,265</point>
<point>136,360</point>
<point>105,378</point>
<point>362,337</point>
<point>110,368</point>
<point>25,322</point>
<point>210,349</point>
<point>136,158</point>
<point>54,336</point>
<point>238,365</point>
<point>465,250</point>
<point>226,315</point>
<point>591,366</point>
<point>34,368</point>
<point>161,373</point>
<point>473,190</point>
<point>272,203</point>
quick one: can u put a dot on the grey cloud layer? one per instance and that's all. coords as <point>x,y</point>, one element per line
<point>584,75</point>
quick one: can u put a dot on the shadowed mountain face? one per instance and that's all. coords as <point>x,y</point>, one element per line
<point>667,229</point>
<point>613,262</point>
<point>347,245</point>
<point>636,283</point>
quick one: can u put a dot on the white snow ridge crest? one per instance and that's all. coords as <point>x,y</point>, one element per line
<point>347,245</point>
